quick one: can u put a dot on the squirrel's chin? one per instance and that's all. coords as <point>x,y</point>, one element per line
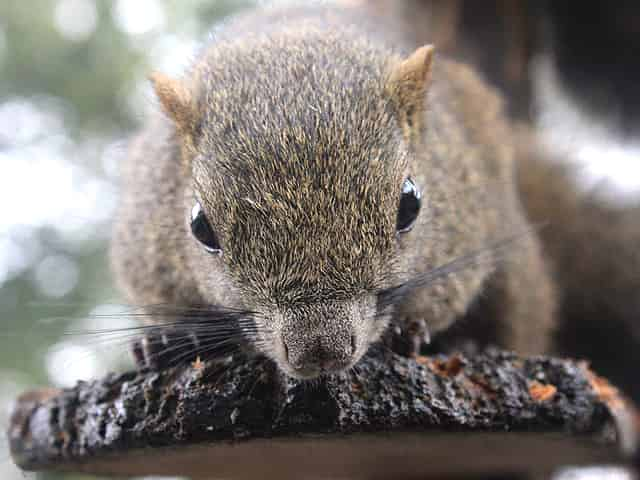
<point>312,372</point>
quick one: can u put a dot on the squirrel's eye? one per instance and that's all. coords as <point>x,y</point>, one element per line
<point>201,229</point>
<point>409,206</point>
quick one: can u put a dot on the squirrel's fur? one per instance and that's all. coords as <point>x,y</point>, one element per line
<point>295,131</point>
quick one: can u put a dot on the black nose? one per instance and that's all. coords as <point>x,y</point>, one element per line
<point>320,355</point>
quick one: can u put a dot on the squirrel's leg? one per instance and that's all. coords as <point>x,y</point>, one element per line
<point>164,346</point>
<point>524,302</point>
<point>409,336</point>
<point>515,310</point>
<point>160,348</point>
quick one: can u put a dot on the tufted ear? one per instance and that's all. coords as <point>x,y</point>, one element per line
<point>176,101</point>
<point>408,83</point>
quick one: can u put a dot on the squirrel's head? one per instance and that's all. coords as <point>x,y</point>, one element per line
<point>301,198</point>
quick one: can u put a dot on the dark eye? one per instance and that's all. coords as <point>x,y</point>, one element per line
<point>201,229</point>
<point>409,206</point>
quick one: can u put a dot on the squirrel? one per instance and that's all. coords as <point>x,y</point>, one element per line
<point>326,184</point>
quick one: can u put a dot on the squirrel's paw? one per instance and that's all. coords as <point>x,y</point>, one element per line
<point>409,336</point>
<point>160,350</point>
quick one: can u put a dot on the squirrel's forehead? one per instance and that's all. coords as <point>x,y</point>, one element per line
<point>306,118</point>
<point>330,175</point>
<point>296,80</point>
<point>286,193</point>
<point>305,146</point>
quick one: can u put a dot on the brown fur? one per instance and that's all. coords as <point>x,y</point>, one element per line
<point>306,124</point>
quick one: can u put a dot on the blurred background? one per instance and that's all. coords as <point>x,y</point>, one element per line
<point>72,90</point>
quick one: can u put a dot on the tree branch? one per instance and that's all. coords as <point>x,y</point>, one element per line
<point>394,418</point>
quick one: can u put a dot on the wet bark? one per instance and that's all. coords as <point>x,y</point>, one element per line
<point>395,418</point>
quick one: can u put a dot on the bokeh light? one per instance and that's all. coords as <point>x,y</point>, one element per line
<point>76,19</point>
<point>593,473</point>
<point>56,275</point>
<point>140,16</point>
<point>604,162</point>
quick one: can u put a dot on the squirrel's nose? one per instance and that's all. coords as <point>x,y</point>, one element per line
<point>320,355</point>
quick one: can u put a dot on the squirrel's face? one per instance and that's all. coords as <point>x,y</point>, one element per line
<point>300,193</point>
<point>306,246</point>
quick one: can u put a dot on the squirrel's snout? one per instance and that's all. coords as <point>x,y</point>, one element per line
<point>322,338</point>
<point>308,358</point>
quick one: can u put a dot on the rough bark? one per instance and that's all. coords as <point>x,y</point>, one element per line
<point>393,418</point>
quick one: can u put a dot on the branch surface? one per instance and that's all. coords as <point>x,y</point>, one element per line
<point>394,417</point>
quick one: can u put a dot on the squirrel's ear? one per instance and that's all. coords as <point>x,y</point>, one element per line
<point>176,101</point>
<point>408,83</point>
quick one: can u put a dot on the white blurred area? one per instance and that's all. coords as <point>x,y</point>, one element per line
<point>76,19</point>
<point>88,349</point>
<point>46,183</point>
<point>141,16</point>
<point>594,473</point>
<point>605,163</point>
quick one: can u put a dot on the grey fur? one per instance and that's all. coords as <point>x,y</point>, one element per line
<point>298,154</point>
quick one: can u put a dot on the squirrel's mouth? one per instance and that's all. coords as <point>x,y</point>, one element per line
<point>314,371</point>
<point>307,356</point>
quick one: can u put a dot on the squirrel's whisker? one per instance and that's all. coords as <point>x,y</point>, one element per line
<point>490,253</point>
